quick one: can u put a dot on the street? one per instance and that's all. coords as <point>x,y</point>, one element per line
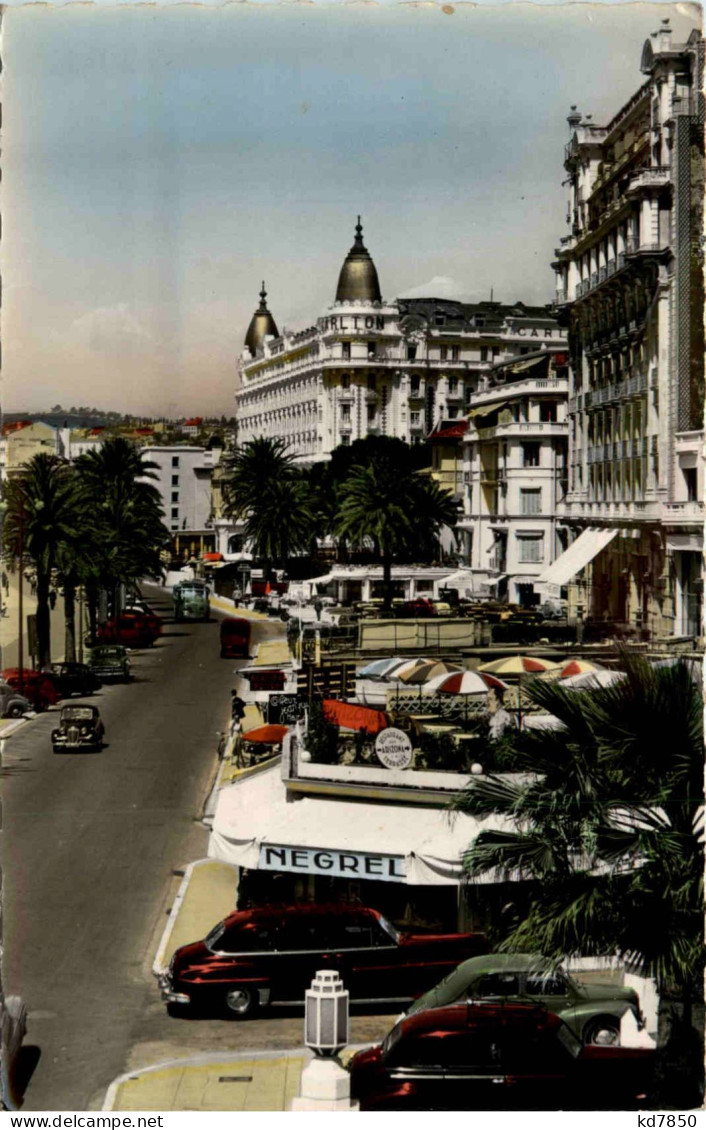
<point>90,846</point>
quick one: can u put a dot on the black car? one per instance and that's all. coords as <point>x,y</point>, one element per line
<point>80,727</point>
<point>73,678</point>
<point>110,662</point>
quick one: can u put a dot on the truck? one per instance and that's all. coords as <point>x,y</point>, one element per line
<point>191,601</point>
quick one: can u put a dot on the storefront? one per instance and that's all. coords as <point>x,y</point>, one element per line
<point>404,860</point>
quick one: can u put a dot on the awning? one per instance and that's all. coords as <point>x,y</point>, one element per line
<point>256,826</point>
<point>353,717</point>
<point>529,363</point>
<point>273,653</point>
<point>587,546</point>
<point>488,409</point>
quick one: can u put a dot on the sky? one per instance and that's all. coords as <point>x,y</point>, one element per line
<point>160,161</point>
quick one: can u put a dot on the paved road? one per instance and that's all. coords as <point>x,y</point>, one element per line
<point>90,843</point>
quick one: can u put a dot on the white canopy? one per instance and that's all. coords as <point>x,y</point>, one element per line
<point>587,546</point>
<point>256,825</point>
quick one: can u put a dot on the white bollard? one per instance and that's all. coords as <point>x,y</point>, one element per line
<point>325,1084</point>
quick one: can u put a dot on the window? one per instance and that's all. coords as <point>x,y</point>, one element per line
<point>443,353</point>
<point>546,986</point>
<point>371,413</point>
<point>414,386</point>
<point>372,382</point>
<point>346,350</point>
<point>372,349</point>
<point>415,419</point>
<point>453,384</point>
<point>691,479</point>
<point>345,380</point>
<point>530,502</point>
<point>345,441</point>
<point>452,413</point>
<point>346,412</point>
<point>530,455</point>
<point>547,412</point>
<point>496,985</point>
<point>484,354</point>
<point>175,496</point>
<point>530,549</point>
<point>496,351</point>
<point>454,353</point>
<point>175,460</point>
<point>175,513</point>
<point>175,480</point>
<point>411,353</point>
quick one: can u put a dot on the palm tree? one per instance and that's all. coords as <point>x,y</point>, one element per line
<point>605,823</point>
<point>41,521</point>
<point>398,510</point>
<point>251,469</point>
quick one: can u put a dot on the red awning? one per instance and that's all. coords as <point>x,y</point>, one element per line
<point>266,735</point>
<point>354,717</point>
<point>212,556</point>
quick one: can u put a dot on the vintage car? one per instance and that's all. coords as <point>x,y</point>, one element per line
<point>131,629</point>
<point>497,1056</point>
<point>270,955</point>
<point>108,662</point>
<point>12,704</point>
<point>191,601</point>
<point>593,1012</point>
<point>33,685</point>
<point>13,1027</point>
<point>73,678</point>
<point>80,727</point>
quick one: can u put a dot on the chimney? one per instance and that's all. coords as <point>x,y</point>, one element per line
<point>573,119</point>
<point>664,36</point>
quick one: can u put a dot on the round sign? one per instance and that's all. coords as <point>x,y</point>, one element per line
<point>394,749</point>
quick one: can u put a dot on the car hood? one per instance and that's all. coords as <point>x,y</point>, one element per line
<point>189,956</point>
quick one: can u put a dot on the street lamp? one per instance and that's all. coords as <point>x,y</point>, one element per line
<point>325,1084</point>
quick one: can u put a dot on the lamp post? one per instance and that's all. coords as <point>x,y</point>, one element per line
<point>325,1084</point>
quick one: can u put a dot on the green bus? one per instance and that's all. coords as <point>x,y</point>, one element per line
<point>191,601</point>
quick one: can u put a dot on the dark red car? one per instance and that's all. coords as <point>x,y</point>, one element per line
<point>38,687</point>
<point>131,629</point>
<point>235,638</point>
<point>496,1057</point>
<point>270,955</point>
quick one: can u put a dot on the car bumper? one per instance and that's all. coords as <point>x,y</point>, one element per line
<point>168,993</point>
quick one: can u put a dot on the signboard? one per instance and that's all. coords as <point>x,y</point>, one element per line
<point>394,749</point>
<point>284,709</point>
<point>265,680</point>
<point>343,864</point>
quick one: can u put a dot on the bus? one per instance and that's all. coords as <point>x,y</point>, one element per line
<point>235,639</point>
<point>191,601</point>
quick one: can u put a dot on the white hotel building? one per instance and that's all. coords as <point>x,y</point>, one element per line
<point>370,367</point>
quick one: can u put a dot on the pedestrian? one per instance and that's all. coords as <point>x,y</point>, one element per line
<point>318,608</point>
<point>6,583</point>
<point>237,706</point>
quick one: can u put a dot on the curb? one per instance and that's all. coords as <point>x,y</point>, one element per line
<point>15,724</point>
<point>158,966</point>
<point>198,1061</point>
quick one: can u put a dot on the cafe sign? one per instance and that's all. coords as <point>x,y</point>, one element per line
<point>393,748</point>
<point>342,864</point>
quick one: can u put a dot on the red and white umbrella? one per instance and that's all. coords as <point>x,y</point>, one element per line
<point>518,665</point>
<point>464,682</point>
<point>579,667</point>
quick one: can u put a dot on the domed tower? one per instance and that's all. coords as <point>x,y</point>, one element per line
<point>358,280</point>
<point>262,325</point>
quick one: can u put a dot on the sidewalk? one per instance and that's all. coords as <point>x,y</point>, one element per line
<point>246,1081</point>
<point>207,894</point>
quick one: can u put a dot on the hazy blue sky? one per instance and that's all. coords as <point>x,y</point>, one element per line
<point>159,162</point>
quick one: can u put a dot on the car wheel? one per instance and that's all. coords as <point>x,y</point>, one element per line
<point>15,711</point>
<point>241,1002</point>
<point>604,1031</point>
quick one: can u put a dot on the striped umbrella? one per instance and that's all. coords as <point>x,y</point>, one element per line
<point>464,682</point>
<point>380,668</point>
<point>425,671</point>
<point>518,665</point>
<point>592,679</point>
<point>579,667</point>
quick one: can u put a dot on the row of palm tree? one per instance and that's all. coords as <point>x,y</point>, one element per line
<point>371,495</point>
<point>95,524</point>
<point>605,826</point>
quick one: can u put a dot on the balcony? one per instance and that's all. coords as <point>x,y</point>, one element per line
<point>658,176</point>
<point>683,513</point>
<point>524,430</point>
<point>345,427</point>
<point>346,396</point>
<point>683,105</point>
<point>371,395</point>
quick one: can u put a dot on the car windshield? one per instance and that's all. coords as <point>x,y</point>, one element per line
<point>393,1037</point>
<point>387,926</point>
<point>77,714</point>
<point>211,940</point>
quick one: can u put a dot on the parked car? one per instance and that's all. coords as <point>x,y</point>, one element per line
<point>132,629</point>
<point>501,1056</point>
<point>108,662</point>
<point>73,678</point>
<point>235,638</point>
<point>13,1028</point>
<point>12,704</point>
<point>35,686</point>
<point>269,955</point>
<point>80,727</point>
<point>593,1012</point>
